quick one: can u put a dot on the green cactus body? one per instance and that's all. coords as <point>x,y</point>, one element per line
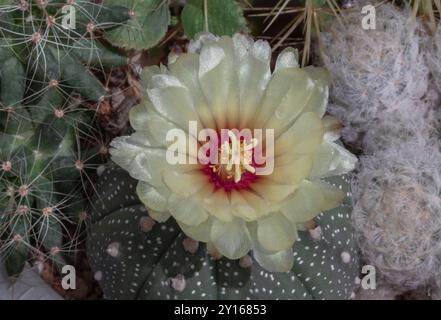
<point>135,258</point>
<point>46,154</point>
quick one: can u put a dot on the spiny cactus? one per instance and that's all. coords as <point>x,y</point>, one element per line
<point>46,160</point>
<point>49,144</point>
<point>134,257</point>
<point>56,48</point>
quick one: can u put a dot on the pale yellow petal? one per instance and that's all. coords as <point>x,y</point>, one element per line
<point>231,239</point>
<point>154,198</point>
<point>187,210</point>
<point>142,162</point>
<point>272,192</point>
<point>275,232</point>
<point>304,136</point>
<point>310,199</point>
<point>159,216</point>
<point>218,81</point>
<point>288,58</point>
<point>286,96</point>
<point>186,69</point>
<point>199,232</point>
<point>218,205</point>
<point>322,81</point>
<point>247,205</point>
<point>331,160</point>
<point>293,173</point>
<point>172,100</point>
<point>281,261</point>
<point>185,184</point>
<point>254,73</point>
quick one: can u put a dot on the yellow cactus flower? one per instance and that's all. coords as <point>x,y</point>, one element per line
<point>215,183</point>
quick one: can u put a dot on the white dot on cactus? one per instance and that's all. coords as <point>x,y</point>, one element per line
<point>54,251</point>
<point>114,249</point>
<point>132,13</point>
<point>345,257</point>
<point>47,211</point>
<point>23,5</point>
<point>79,165</point>
<point>90,27</point>
<point>36,37</point>
<point>246,262</point>
<point>9,109</point>
<point>37,154</point>
<point>59,113</point>
<point>98,275</point>
<point>7,166</point>
<point>23,190</point>
<point>316,233</point>
<point>178,283</point>
<point>82,216</point>
<point>53,83</point>
<point>146,224</point>
<point>50,21</point>
<point>100,170</point>
<point>190,245</point>
<point>104,150</point>
<point>10,192</point>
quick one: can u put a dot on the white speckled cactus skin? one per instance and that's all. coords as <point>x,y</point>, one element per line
<point>134,257</point>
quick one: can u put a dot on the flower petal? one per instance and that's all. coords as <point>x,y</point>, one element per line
<point>186,69</point>
<point>293,173</point>
<point>186,210</point>
<point>231,239</point>
<point>172,100</point>
<point>159,216</point>
<point>247,205</point>
<point>287,95</point>
<point>184,184</point>
<point>218,80</point>
<point>218,205</point>
<point>271,191</point>
<point>331,160</point>
<point>142,162</point>
<point>288,58</point>
<point>199,232</point>
<point>310,199</point>
<point>322,81</point>
<point>304,136</point>
<point>154,198</point>
<point>275,232</point>
<point>281,261</point>
<point>253,69</point>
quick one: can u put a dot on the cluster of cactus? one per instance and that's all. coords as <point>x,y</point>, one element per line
<point>134,257</point>
<point>49,141</point>
<point>382,90</point>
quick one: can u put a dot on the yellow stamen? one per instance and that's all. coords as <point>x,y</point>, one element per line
<point>236,158</point>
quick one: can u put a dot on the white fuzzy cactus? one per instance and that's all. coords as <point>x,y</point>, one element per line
<point>397,212</point>
<point>374,70</point>
<point>381,89</point>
